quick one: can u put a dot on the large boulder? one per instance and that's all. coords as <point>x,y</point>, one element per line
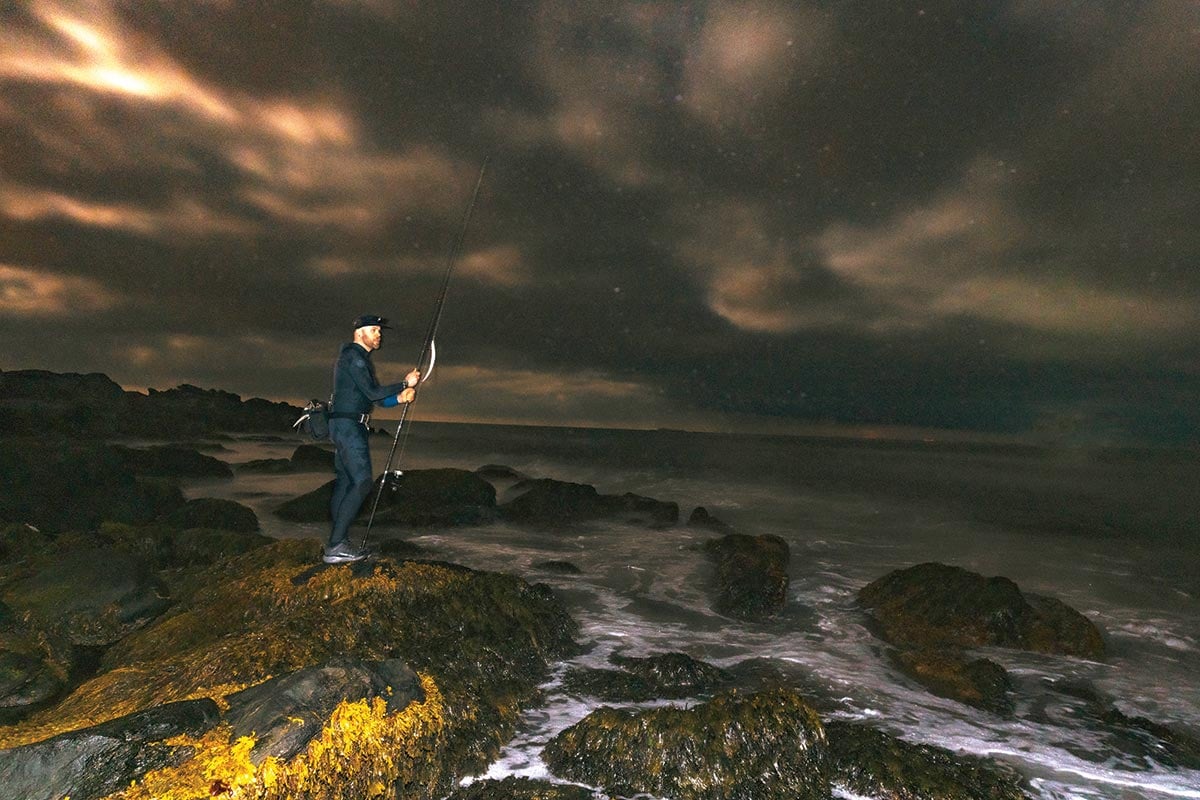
<point>664,676</point>
<point>947,672</point>
<point>34,401</point>
<point>764,746</point>
<point>480,644</point>
<point>935,605</point>
<point>418,498</point>
<point>95,596</point>
<point>101,759</point>
<point>58,485</point>
<point>751,575</point>
<point>871,763</point>
<point>310,457</point>
<point>701,518</point>
<point>285,713</point>
<point>214,513</point>
<point>173,461</point>
<point>550,503</point>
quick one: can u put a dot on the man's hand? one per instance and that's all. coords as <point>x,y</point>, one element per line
<point>412,379</point>
<point>407,396</point>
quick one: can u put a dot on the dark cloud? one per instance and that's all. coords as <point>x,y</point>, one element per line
<point>713,214</point>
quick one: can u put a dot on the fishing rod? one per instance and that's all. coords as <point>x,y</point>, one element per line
<point>428,349</point>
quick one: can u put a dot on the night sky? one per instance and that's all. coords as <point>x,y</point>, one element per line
<point>975,216</point>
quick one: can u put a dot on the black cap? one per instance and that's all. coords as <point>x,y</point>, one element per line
<point>371,319</point>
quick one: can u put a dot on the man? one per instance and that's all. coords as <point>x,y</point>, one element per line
<point>355,389</point>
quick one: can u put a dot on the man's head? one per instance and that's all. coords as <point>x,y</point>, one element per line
<point>368,331</point>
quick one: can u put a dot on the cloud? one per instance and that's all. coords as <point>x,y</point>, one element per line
<point>26,292</point>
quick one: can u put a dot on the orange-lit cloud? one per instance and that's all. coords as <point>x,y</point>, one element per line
<point>501,265</point>
<point>26,292</point>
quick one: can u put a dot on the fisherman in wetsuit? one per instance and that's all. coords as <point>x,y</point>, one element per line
<point>355,390</point>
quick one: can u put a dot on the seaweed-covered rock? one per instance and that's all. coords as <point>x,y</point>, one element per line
<point>479,642</point>
<point>169,548</point>
<point>937,605</point>
<point>285,713</point>
<point>872,763</point>
<point>547,502</point>
<point>95,595</point>
<point>418,498</point>
<point>752,575</point>
<point>764,746</point>
<point>172,461</point>
<point>664,676</point>
<point>512,788</point>
<point>214,513</point>
<point>96,761</point>
<point>949,673</point>
<point>700,518</point>
<point>557,567</point>
<point>35,664</point>
<point>58,485</point>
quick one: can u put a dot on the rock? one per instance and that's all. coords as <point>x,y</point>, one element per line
<point>547,502</point>
<point>213,513</point>
<point>58,485</point>
<point>512,788</point>
<point>34,666</point>
<point>499,472</point>
<point>284,714</point>
<point>171,548</point>
<point>665,676</point>
<point>310,457</point>
<point>480,642</point>
<point>97,761</point>
<point>558,567</point>
<point>420,498</point>
<point>948,673</point>
<point>700,518</point>
<point>933,605</point>
<point>171,461</point>
<point>96,595</point>
<point>871,763</point>
<point>751,575</point>
<point>400,549</point>
<point>764,746</point>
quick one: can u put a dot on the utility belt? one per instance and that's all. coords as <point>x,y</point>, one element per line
<point>362,418</point>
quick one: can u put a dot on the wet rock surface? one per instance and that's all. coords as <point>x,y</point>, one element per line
<point>284,714</point>
<point>938,605</point>
<point>95,761</point>
<point>764,746</point>
<point>546,502</point>
<point>667,676</point>
<point>512,788</point>
<point>172,461</point>
<point>213,513</point>
<point>700,518</point>
<point>751,575</point>
<point>950,673</point>
<point>872,763</point>
<point>35,664</point>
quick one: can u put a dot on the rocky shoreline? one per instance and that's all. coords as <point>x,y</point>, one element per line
<point>153,647</point>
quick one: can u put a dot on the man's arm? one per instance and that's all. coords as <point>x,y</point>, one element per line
<point>365,382</point>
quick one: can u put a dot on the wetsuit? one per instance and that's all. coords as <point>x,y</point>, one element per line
<point>355,390</point>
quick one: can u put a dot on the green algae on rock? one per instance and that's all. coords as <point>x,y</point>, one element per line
<point>872,763</point>
<point>768,745</point>
<point>938,605</point>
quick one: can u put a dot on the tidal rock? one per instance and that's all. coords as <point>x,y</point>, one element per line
<point>96,596</point>
<point>35,665</point>
<point>58,485</point>
<point>419,498</point>
<point>310,457</point>
<point>871,763</point>
<point>764,746</point>
<point>172,461</point>
<point>947,672</point>
<point>666,676</point>
<point>512,788</point>
<point>751,574</point>
<point>285,713</point>
<point>547,502</point>
<point>932,605</point>
<point>214,513</point>
<point>265,466</point>
<point>99,760</point>
<point>700,518</point>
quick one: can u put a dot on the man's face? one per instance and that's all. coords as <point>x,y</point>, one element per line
<point>372,336</point>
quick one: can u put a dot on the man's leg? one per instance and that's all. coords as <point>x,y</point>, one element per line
<point>353,460</point>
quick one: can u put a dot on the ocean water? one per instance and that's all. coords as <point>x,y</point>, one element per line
<point>1115,534</point>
